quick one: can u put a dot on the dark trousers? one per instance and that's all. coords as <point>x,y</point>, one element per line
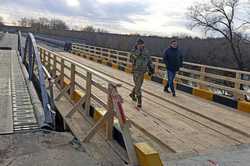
<point>171,77</point>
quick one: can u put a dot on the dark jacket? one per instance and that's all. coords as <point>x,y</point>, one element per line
<point>173,59</point>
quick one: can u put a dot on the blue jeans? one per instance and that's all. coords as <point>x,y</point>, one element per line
<point>171,77</point>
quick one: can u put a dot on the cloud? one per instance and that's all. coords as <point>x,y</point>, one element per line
<point>90,9</point>
<point>120,16</point>
<point>73,3</point>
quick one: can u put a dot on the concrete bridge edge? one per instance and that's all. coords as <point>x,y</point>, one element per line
<point>37,105</point>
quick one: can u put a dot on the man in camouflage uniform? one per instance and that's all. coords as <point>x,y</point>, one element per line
<point>141,64</point>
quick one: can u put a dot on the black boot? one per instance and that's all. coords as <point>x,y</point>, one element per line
<point>139,102</point>
<point>132,95</point>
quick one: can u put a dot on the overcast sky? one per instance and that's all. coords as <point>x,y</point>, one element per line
<point>158,17</point>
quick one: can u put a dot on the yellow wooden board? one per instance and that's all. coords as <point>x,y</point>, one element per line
<point>244,106</point>
<point>205,94</point>
<point>147,156</point>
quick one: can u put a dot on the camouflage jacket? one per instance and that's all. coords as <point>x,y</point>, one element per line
<point>140,60</point>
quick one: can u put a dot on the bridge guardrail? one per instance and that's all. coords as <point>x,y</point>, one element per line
<point>77,82</point>
<point>31,59</point>
<point>228,82</point>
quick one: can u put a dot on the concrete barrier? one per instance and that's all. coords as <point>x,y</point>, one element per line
<point>146,155</point>
<point>205,94</point>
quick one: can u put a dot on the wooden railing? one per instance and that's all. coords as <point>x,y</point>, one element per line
<point>71,78</point>
<point>229,82</point>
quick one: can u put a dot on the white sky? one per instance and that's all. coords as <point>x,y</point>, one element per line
<point>155,17</point>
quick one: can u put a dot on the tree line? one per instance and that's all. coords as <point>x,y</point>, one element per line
<point>43,23</point>
<point>56,24</point>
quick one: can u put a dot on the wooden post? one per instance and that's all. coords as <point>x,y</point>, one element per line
<point>88,93</point>
<point>109,56</point>
<point>117,58</point>
<point>88,54</point>
<point>72,78</point>
<point>54,66</point>
<point>202,77</point>
<point>117,106</point>
<point>49,62</point>
<point>157,66</point>
<point>44,57</point>
<point>41,55</point>
<point>128,58</point>
<point>110,122</point>
<point>237,86</point>
<point>62,73</point>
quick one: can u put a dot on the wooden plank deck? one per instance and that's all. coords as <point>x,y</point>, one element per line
<point>183,124</point>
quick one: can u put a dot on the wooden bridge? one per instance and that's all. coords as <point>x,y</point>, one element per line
<point>90,89</point>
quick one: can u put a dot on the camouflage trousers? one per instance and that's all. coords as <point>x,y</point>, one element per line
<point>138,78</point>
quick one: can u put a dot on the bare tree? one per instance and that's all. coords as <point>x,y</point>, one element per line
<point>88,29</point>
<point>25,22</point>
<point>222,17</point>
<point>44,22</point>
<point>100,30</point>
<point>58,24</point>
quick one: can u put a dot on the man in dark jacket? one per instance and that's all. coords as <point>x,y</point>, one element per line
<point>173,60</point>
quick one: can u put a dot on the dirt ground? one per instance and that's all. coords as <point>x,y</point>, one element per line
<point>39,148</point>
